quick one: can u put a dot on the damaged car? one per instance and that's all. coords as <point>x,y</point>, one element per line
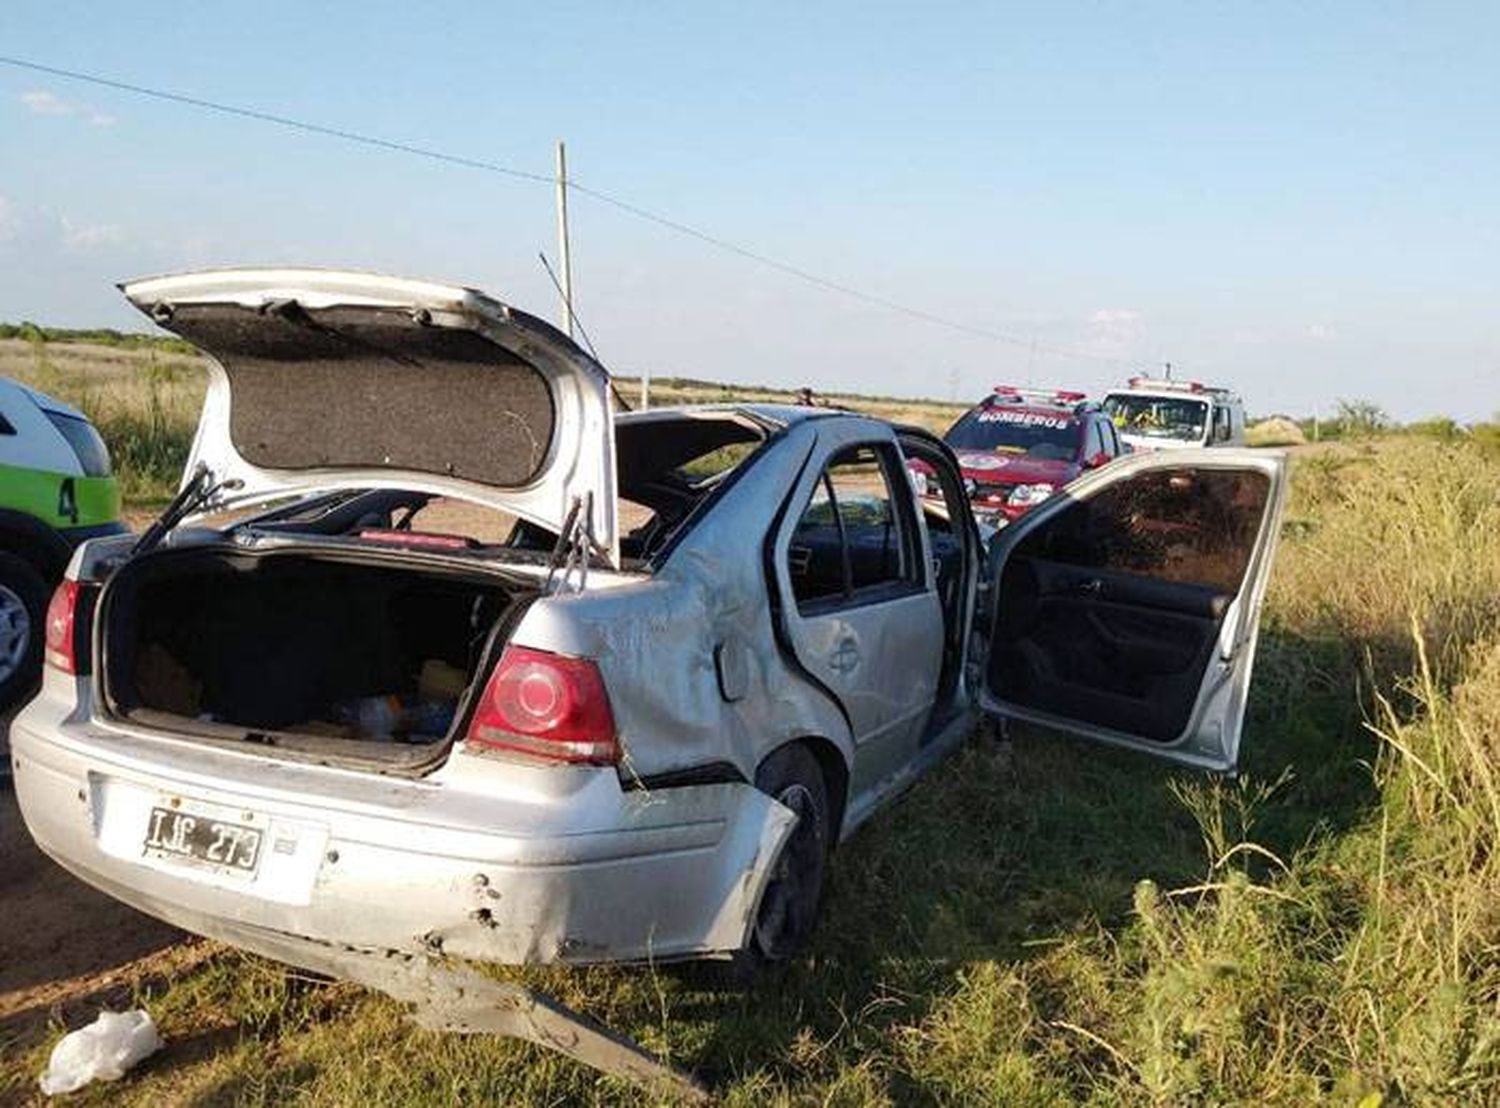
<point>307,714</point>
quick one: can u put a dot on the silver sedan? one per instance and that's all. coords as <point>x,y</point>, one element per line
<point>308,714</point>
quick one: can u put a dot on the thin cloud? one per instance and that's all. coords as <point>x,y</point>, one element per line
<point>88,236</point>
<point>45,102</point>
<point>42,102</point>
<point>1114,332</point>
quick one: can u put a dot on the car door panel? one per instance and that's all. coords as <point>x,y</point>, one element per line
<point>864,620</point>
<point>1127,611</point>
<point>880,659</point>
<point>1060,580</point>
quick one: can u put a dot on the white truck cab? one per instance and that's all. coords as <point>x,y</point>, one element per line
<point>1163,414</point>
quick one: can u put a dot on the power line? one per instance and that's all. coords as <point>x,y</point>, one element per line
<point>280,120</point>
<point>616,202</point>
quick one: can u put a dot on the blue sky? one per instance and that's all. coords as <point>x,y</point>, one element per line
<point>1299,200</point>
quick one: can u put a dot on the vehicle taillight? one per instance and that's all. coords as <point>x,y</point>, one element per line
<point>60,615</point>
<point>547,706</point>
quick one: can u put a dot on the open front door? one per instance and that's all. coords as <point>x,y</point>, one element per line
<point>1126,608</point>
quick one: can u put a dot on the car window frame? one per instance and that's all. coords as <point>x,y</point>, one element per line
<point>915,577</point>
<point>1223,425</point>
<point>1093,440</point>
<point>1107,428</point>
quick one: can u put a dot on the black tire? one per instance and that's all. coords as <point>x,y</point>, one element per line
<point>788,908</point>
<point>23,595</point>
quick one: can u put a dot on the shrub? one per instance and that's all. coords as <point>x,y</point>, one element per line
<point>1276,431</point>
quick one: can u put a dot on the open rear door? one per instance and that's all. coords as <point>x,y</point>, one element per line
<point>1126,608</point>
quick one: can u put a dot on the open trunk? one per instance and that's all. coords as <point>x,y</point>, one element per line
<point>364,659</point>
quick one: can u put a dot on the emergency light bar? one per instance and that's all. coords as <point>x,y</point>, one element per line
<point>1056,396</point>
<point>1164,383</point>
<point>1167,385</point>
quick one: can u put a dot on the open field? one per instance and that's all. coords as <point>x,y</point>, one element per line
<point>145,401</point>
<point>1042,922</point>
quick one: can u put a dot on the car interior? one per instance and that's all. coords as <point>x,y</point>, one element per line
<point>951,556</point>
<point>849,538</point>
<point>1108,612</point>
<point>665,470</point>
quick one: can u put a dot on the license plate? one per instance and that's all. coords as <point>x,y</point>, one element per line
<point>197,837</point>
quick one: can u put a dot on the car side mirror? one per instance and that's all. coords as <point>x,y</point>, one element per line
<point>1094,461</point>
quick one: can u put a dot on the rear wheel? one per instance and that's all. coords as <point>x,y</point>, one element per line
<point>23,612</point>
<point>789,906</point>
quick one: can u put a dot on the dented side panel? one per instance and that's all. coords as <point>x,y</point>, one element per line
<point>690,656</point>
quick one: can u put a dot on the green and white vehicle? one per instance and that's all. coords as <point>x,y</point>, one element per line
<point>56,489</point>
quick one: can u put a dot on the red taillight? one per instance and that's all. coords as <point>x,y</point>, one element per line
<point>60,613</point>
<point>547,706</point>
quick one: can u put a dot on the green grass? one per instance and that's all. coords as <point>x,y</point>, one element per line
<point>1049,922</point>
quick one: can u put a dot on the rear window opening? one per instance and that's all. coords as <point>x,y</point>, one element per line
<point>667,468</point>
<point>350,660</point>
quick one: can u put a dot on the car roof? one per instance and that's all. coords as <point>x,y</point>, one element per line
<point>40,399</point>
<point>771,415</point>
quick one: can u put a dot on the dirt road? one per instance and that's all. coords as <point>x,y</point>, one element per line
<point>64,948</point>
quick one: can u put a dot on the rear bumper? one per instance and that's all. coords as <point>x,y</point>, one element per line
<point>495,862</point>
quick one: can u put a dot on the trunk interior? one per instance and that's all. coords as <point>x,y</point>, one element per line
<point>369,660</point>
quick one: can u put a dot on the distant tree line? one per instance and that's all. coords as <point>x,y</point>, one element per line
<point>99,336</point>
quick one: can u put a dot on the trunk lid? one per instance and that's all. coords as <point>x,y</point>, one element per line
<point>327,379</point>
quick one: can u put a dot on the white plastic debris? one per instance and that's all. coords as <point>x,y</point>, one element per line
<point>102,1051</point>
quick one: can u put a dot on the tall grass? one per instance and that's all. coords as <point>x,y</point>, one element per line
<point>149,442</point>
<point>146,409</point>
<point>1357,962</point>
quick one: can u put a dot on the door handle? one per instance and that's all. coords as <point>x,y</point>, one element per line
<point>845,656</point>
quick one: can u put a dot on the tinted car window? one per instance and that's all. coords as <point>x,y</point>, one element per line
<point>853,535</point>
<point>1015,431</point>
<point>1179,525</point>
<point>1094,444</point>
<point>92,454</point>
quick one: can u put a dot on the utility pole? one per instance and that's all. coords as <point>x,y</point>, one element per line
<point>564,253</point>
<point>645,388</point>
